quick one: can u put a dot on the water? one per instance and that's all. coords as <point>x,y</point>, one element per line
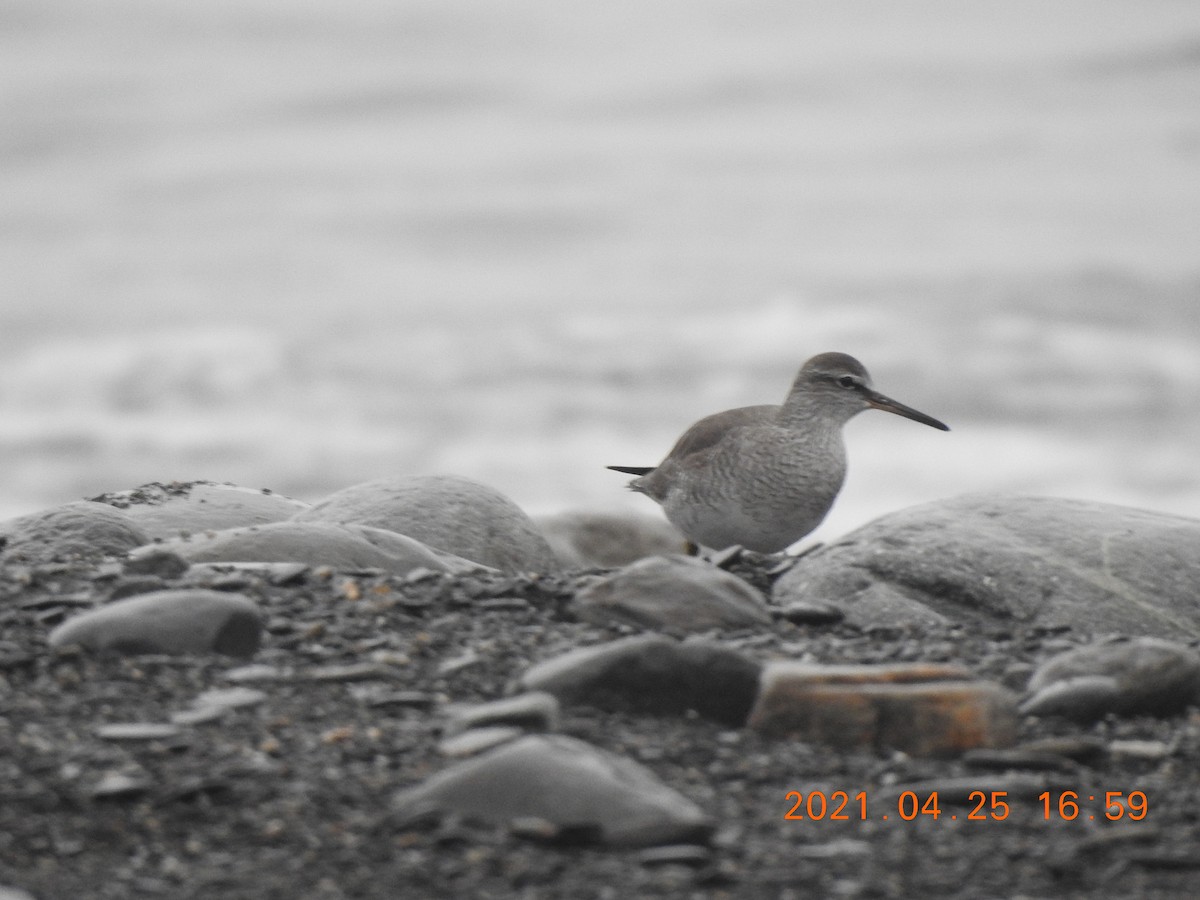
<point>300,248</point>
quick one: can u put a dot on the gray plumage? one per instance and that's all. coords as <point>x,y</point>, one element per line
<point>764,476</point>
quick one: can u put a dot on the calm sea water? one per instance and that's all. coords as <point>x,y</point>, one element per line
<point>298,248</point>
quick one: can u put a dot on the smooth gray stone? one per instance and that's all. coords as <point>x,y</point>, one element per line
<point>1144,676</point>
<point>82,529</point>
<point>174,622</point>
<point>978,559</point>
<point>679,592</point>
<point>566,782</point>
<point>586,539</point>
<point>138,731</point>
<point>313,543</point>
<point>475,740</point>
<point>532,710</point>
<point>653,673</point>
<point>447,512</point>
<point>168,510</point>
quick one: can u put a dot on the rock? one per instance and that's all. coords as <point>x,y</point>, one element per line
<point>172,621</point>
<point>118,786</point>
<point>920,709</point>
<point>1144,676</point>
<point>138,731</point>
<point>532,710</point>
<point>993,558</point>
<point>453,514</point>
<point>155,561</point>
<point>652,673</point>
<point>313,543</point>
<point>168,510</point>
<point>583,539</point>
<point>678,592</point>
<point>475,740</point>
<point>566,782</point>
<point>80,530</point>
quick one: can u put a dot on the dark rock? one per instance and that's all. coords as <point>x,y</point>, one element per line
<point>1006,760</point>
<point>993,558</point>
<point>168,510</point>
<point>586,539</point>
<point>1144,676</point>
<point>80,530</point>
<point>157,561</point>
<point>652,673</point>
<point>677,592</point>
<point>342,547</point>
<point>173,621</point>
<point>811,614</point>
<point>563,781</point>
<point>453,514</point>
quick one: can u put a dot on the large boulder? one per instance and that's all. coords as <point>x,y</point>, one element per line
<point>1040,561</point>
<point>448,512</point>
<point>314,543</point>
<point>80,530</point>
<point>168,510</point>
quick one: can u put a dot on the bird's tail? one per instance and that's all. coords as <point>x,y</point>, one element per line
<point>632,470</point>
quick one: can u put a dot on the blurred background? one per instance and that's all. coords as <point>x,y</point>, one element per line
<point>300,246</point>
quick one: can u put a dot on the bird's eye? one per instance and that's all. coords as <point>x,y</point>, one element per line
<point>847,381</point>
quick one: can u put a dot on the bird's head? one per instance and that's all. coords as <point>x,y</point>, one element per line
<point>840,385</point>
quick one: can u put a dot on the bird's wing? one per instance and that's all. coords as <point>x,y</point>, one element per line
<point>711,429</point>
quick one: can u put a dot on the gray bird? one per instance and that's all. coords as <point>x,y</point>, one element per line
<point>763,477</point>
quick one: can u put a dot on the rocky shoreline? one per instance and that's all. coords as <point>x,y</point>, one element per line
<point>412,689</point>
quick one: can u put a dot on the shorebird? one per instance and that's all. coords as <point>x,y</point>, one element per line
<point>763,477</point>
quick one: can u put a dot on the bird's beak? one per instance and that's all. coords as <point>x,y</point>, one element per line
<point>878,401</point>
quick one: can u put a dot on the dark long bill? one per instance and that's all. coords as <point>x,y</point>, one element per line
<point>887,404</point>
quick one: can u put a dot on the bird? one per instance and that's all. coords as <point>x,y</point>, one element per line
<point>762,477</point>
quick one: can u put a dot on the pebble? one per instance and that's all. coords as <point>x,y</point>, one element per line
<point>230,698</point>
<point>681,593</point>
<point>172,621</point>
<point>118,786</point>
<point>475,741</point>
<point>257,673</point>
<point>350,672</point>
<point>577,785</point>
<point>532,711</point>
<point>421,700</point>
<point>652,673</point>
<point>453,514</point>
<point>138,731</point>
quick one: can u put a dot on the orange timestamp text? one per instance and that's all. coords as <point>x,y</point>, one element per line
<point>983,806</point>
